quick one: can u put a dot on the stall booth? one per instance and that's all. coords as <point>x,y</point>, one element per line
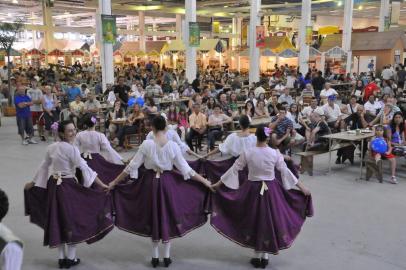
<point>117,58</point>
<point>16,57</point>
<point>35,58</point>
<point>56,57</point>
<point>383,47</point>
<point>173,54</point>
<point>211,52</point>
<point>288,57</point>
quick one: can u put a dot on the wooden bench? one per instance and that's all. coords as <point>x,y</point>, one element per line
<point>307,156</point>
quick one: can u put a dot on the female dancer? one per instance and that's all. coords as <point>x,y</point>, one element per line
<point>263,214</point>
<point>66,221</point>
<point>160,204</point>
<point>91,143</point>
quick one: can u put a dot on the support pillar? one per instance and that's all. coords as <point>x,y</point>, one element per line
<point>154,29</point>
<point>47,21</point>
<point>190,16</point>
<point>254,51</point>
<point>106,49</point>
<point>141,25</point>
<point>303,47</point>
<point>347,32</point>
<point>383,14</point>
<point>178,26</point>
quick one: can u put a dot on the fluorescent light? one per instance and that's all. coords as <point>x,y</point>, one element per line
<point>14,1</point>
<point>360,7</point>
<point>340,3</point>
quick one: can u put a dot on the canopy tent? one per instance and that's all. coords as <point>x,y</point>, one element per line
<point>313,52</point>
<point>154,54</point>
<point>336,52</point>
<point>57,53</point>
<point>207,45</point>
<point>278,44</point>
<point>267,52</point>
<point>35,52</point>
<point>173,47</point>
<point>140,54</point>
<point>329,30</point>
<point>117,53</point>
<point>12,52</point>
<point>288,53</point>
<point>77,53</point>
<point>152,47</point>
<point>63,44</point>
<point>129,47</point>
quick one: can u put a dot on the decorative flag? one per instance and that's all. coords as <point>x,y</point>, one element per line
<point>194,34</point>
<point>216,27</point>
<point>244,35</point>
<point>109,28</point>
<point>260,36</point>
<point>309,35</point>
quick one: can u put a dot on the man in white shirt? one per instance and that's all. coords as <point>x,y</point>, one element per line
<point>371,106</point>
<point>387,73</point>
<point>11,248</point>
<point>328,91</point>
<point>286,97</point>
<point>36,109</point>
<point>333,113</point>
<point>307,111</point>
<point>279,87</point>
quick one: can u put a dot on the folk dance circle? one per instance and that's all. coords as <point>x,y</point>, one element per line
<point>78,195</point>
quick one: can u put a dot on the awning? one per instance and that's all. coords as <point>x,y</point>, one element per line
<point>329,30</point>
<point>288,53</point>
<point>12,52</point>
<point>314,52</point>
<point>35,52</point>
<point>174,47</point>
<point>56,53</point>
<point>77,53</point>
<point>335,52</point>
<point>140,54</point>
<point>154,54</point>
<point>267,52</point>
<point>278,44</point>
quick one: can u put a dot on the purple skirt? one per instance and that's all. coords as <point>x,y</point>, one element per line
<point>266,223</point>
<point>69,213</point>
<point>161,208</point>
<point>105,170</point>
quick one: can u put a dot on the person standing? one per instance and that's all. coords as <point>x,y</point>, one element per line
<point>401,78</point>
<point>35,94</point>
<point>122,90</point>
<point>49,103</point>
<point>11,247</point>
<point>23,114</point>
<point>73,91</point>
<point>318,83</point>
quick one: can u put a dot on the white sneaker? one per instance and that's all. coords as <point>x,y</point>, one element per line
<point>32,141</point>
<point>393,180</point>
<point>25,142</point>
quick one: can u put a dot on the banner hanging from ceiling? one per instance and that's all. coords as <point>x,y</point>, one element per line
<point>260,36</point>
<point>216,27</point>
<point>109,28</point>
<point>309,35</point>
<point>244,35</point>
<point>194,34</point>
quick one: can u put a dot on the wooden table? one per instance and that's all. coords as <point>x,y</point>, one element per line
<point>261,121</point>
<point>349,137</point>
<point>166,101</point>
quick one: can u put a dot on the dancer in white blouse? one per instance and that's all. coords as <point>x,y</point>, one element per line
<point>236,143</point>
<point>69,221</point>
<point>263,214</point>
<point>150,208</point>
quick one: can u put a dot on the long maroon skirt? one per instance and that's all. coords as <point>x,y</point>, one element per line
<point>161,208</point>
<point>105,170</point>
<point>265,223</point>
<point>71,213</point>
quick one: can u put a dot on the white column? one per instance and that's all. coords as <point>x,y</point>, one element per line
<point>234,40</point>
<point>141,25</point>
<point>303,47</point>
<point>383,12</point>
<point>347,32</point>
<point>254,51</point>
<point>239,30</point>
<point>323,62</point>
<point>154,29</point>
<point>106,49</point>
<point>47,21</point>
<point>190,16</point>
<point>395,13</point>
<point>178,26</point>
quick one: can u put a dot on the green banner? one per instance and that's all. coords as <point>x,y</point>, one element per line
<point>194,34</point>
<point>109,28</point>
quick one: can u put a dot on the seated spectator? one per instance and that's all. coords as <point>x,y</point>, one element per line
<point>225,107</point>
<point>272,105</point>
<point>198,127</point>
<point>380,133</point>
<point>116,113</point>
<point>92,105</point>
<point>396,134</point>
<point>73,91</point>
<point>110,96</point>
<point>84,90</point>
<point>385,116</point>
<point>11,249</point>
<point>286,97</point>
<point>137,90</point>
<point>76,109</point>
<point>372,107</point>
<point>234,105</point>
<point>172,117</point>
<point>263,98</point>
<point>308,91</point>
<point>358,91</point>
<point>387,89</point>
<point>371,88</point>
<point>353,105</point>
<point>210,106</point>
<point>189,91</point>
<point>328,91</point>
<point>279,87</point>
<point>132,126</point>
<point>295,116</point>
<point>261,110</point>
<point>258,90</point>
<point>51,111</point>
<point>183,123</point>
<point>332,113</point>
<point>215,125</point>
<point>150,107</point>
<point>251,97</point>
<point>307,111</point>
<point>249,109</point>
<point>282,130</point>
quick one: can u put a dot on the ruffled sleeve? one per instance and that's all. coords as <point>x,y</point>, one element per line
<point>225,147</point>
<point>230,178</point>
<point>175,137</point>
<point>180,162</point>
<point>42,175</point>
<point>88,174</point>
<point>136,162</point>
<point>289,180</point>
<point>110,154</point>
